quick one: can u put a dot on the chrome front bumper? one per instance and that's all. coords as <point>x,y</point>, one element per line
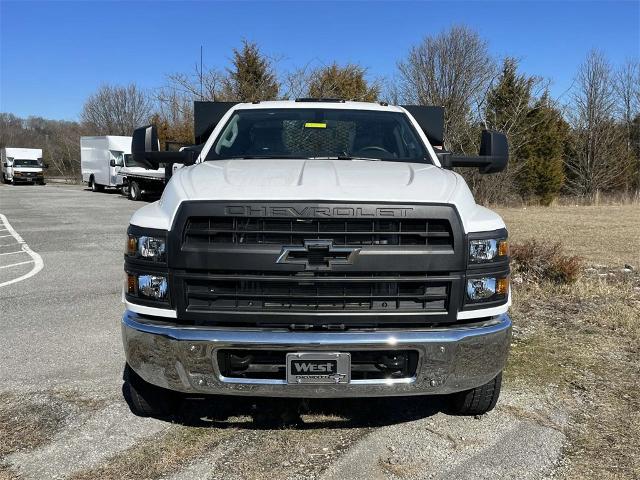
<point>184,358</point>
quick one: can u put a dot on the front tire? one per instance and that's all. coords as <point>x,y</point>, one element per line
<point>477,401</point>
<point>143,398</point>
<point>135,192</point>
<point>94,186</point>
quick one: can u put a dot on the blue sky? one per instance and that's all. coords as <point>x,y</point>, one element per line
<point>54,54</point>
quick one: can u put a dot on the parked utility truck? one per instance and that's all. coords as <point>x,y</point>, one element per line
<point>101,158</point>
<point>22,165</point>
<point>317,249</point>
<point>137,180</point>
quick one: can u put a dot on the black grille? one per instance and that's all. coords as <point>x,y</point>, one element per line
<point>348,266</point>
<point>316,292</point>
<point>270,364</point>
<point>203,231</point>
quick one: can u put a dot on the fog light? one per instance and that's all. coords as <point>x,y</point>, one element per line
<point>153,287</point>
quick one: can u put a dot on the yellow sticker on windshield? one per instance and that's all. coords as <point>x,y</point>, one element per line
<point>315,125</point>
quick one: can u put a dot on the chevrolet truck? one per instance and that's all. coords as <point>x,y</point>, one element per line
<point>22,165</point>
<point>316,249</point>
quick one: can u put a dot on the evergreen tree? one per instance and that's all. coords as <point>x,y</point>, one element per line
<point>508,105</point>
<point>542,174</point>
<point>347,82</point>
<point>251,76</point>
<point>536,132</point>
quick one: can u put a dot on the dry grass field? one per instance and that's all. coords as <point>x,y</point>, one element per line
<point>604,235</point>
<point>581,342</point>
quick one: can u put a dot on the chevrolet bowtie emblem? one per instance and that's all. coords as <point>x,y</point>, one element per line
<point>318,255</point>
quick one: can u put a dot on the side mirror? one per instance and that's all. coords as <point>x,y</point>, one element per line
<point>112,163</point>
<point>145,139</point>
<point>493,158</point>
<point>145,150</point>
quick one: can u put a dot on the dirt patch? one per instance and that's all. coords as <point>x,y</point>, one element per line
<point>157,456</point>
<point>6,473</point>
<point>28,422</point>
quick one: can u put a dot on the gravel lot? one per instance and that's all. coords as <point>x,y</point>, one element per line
<point>61,362</point>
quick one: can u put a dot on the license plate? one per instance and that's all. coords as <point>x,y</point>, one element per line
<point>313,367</point>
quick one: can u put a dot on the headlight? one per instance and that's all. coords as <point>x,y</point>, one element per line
<point>487,289</point>
<point>147,286</point>
<point>487,250</point>
<point>146,247</point>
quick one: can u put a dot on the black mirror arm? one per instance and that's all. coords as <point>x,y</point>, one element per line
<point>484,163</point>
<point>152,160</point>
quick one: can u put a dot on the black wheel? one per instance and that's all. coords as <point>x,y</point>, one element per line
<point>4,178</point>
<point>135,192</point>
<point>477,400</point>
<point>144,399</point>
<point>95,187</point>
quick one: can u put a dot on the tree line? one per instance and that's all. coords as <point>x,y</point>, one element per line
<point>585,143</point>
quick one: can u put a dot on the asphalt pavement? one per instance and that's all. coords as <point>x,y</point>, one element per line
<point>61,362</point>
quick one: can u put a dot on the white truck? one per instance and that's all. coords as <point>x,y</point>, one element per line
<point>317,249</point>
<point>101,158</point>
<point>22,165</point>
<point>137,180</point>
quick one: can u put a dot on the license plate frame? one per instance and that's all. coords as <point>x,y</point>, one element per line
<point>333,368</point>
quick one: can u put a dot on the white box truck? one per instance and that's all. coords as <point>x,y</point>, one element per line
<point>101,158</point>
<point>22,165</point>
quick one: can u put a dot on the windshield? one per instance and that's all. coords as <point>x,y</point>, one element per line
<point>129,161</point>
<point>19,162</point>
<point>318,133</point>
<point>118,156</point>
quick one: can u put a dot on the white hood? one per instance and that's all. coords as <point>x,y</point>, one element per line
<point>321,180</point>
<point>27,169</point>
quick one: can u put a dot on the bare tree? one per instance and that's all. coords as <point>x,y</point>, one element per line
<point>454,70</point>
<point>116,110</point>
<point>201,84</point>
<point>599,159</point>
<point>627,89</point>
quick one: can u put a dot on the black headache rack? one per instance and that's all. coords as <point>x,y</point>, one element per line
<point>316,265</point>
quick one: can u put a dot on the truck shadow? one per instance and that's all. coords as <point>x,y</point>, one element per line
<point>270,413</point>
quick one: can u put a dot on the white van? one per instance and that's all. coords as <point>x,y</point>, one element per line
<point>22,165</point>
<point>101,158</point>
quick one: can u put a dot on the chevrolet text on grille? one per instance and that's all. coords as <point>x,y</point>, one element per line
<point>271,211</point>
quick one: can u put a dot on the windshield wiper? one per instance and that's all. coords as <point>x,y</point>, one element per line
<point>264,157</point>
<point>345,157</point>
